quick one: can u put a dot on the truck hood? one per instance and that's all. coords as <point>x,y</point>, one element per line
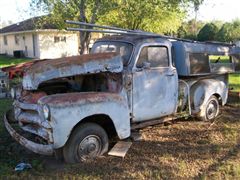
<point>69,66</point>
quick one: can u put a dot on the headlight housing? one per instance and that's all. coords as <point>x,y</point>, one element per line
<point>46,111</point>
<point>13,93</point>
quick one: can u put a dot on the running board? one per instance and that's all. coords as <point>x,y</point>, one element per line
<point>120,149</point>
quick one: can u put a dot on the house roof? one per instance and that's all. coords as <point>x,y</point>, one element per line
<point>28,25</point>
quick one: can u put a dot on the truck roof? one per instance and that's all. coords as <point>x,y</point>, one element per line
<point>134,39</point>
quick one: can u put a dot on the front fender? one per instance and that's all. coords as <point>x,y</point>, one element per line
<point>67,110</point>
<point>202,90</point>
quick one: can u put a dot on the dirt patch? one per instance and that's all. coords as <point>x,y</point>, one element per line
<point>179,150</point>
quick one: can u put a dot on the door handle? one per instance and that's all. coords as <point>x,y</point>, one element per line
<point>170,74</point>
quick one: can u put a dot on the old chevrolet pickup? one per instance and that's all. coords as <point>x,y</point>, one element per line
<point>74,105</point>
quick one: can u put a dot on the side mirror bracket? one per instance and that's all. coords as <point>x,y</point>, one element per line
<point>146,65</point>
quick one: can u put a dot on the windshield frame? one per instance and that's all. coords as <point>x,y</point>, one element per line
<point>126,42</point>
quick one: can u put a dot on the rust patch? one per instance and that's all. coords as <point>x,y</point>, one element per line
<point>41,66</point>
<point>71,98</point>
<point>32,97</point>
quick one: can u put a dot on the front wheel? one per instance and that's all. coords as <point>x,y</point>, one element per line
<point>87,141</point>
<point>210,109</point>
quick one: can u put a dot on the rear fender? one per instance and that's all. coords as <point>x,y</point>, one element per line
<point>202,90</point>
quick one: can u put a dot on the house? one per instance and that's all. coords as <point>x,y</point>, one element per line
<point>28,39</point>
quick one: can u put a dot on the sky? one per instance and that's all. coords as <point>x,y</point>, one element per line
<point>224,10</point>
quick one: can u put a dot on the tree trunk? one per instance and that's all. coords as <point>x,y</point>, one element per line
<point>85,36</point>
<point>84,42</point>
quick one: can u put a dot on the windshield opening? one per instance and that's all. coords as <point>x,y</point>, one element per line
<point>122,48</point>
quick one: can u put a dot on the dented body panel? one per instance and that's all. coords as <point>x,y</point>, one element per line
<point>69,66</point>
<point>69,109</point>
<point>203,89</point>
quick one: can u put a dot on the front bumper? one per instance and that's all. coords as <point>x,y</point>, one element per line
<point>35,147</point>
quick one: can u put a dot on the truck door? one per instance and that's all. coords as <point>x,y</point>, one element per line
<point>155,84</point>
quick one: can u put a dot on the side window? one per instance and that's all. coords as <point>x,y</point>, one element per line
<point>156,56</point>
<point>199,63</point>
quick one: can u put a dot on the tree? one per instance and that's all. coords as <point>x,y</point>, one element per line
<point>196,5</point>
<point>79,10</point>
<point>208,32</point>
<point>229,32</point>
<point>191,29</point>
<point>160,16</point>
<point>236,30</point>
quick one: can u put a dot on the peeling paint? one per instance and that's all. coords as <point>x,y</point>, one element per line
<point>70,66</point>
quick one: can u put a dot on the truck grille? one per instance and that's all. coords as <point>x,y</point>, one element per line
<point>30,120</point>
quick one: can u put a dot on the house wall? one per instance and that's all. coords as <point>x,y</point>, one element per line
<point>67,45</point>
<point>25,44</point>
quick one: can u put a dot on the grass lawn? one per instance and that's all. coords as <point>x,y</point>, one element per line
<point>221,59</point>
<point>8,61</point>
<point>234,82</point>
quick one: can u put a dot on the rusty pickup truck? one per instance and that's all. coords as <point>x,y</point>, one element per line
<point>74,105</point>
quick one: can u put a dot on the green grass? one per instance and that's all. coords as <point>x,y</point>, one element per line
<point>8,61</point>
<point>234,82</point>
<point>222,59</point>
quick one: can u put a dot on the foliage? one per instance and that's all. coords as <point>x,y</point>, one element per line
<point>160,16</point>
<point>208,32</point>
<point>229,32</point>
<point>154,16</point>
<point>214,31</point>
<point>190,29</point>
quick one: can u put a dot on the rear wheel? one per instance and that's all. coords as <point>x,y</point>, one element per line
<point>87,141</point>
<point>210,109</point>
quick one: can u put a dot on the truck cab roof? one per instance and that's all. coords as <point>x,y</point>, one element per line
<point>135,39</point>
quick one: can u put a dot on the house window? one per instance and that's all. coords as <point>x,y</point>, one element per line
<point>63,39</point>
<point>56,39</point>
<point>60,39</point>
<point>5,40</point>
<point>17,39</point>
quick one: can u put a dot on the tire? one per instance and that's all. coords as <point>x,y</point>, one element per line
<point>87,141</point>
<point>210,109</point>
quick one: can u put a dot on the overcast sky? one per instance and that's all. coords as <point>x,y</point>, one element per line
<point>225,10</point>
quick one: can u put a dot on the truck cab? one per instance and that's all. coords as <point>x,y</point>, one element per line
<point>149,68</point>
<point>76,104</point>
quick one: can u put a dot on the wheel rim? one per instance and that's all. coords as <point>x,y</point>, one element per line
<point>89,147</point>
<point>212,109</point>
